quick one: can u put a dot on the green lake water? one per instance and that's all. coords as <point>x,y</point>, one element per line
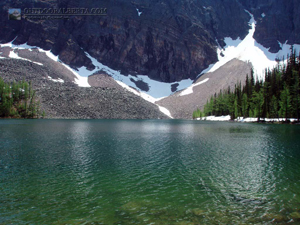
<point>148,172</point>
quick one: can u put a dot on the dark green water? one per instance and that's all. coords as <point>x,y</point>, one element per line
<point>148,172</point>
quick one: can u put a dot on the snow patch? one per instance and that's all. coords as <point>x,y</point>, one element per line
<point>215,118</point>
<point>253,119</point>
<point>56,80</point>
<point>245,120</point>
<point>130,89</point>
<point>249,50</point>
<point>14,55</point>
<point>138,11</point>
<point>156,89</point>
<point>21,46</point>
<point>80,81</point>
<point>242,119</point>
<point>49,54</point>
<point>158,99</point>
<point>189,90</point>
<point>207,70</point>
<point>165,111</point>
<point>141,94</point>
<point>146,97</point>
<point>8,44</point>
<point>263,15</point>
<point>279,120</point>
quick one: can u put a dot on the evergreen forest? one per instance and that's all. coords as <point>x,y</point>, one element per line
<point>277,96</point>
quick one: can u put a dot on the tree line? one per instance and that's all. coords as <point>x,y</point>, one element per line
<point>18,100</point>
<point>277,96</point>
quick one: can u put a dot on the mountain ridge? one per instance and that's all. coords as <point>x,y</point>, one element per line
<point>169,41</point>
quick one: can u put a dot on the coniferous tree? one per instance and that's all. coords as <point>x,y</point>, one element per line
<point>258,101</point>
<point>277,96</point>
<point>285,102</point>
<point>274,107</point>
<point>14,100</point>
<point>245,105</point>
<point>296,95</point>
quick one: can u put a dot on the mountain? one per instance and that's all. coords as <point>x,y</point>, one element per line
<point>182,103</point>
<point>169,41</point>
<point>60,96</point>
<point>277,21</point>
<point>158,47</point>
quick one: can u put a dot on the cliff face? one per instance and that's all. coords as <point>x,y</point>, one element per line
<point>169,41</point>
<point>277,20</point>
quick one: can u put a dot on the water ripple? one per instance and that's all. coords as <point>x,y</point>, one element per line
<point>148,172</point>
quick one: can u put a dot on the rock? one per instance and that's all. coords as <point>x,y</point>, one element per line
<point>280,22</point>
<point>139,206</point>
<point>68,101</point>
<point>198,212</point>
<point>132,206</point>
<point>102,79</point>
<point>274,217</point>
<point>295,216</point>
<point>185,223</point>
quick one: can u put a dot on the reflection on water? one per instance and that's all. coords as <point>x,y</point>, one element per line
<point>148,172</point>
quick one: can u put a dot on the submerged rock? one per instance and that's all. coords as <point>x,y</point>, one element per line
<point>198,212</point>
<point>185,223</point>
<point>132,206</point>
<point>274,217</point>
<point>245,200</point>
<point>295,215</point>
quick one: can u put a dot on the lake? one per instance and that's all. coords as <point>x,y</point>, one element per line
<point>148,172</point>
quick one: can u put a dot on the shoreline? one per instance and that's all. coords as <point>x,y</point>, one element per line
<point>291,121</point>
<point>250,120</point>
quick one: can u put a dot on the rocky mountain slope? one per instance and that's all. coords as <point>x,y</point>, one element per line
<point>183,103</point>
<point>67,100</point>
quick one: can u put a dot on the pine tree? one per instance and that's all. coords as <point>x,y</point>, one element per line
<point>274,107</point>
<point>258,101</point>
<point>296,95</point>
<point>278,95</point>
<point>236,111</point>
<point>285,102</point>
<point>245,105</point>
